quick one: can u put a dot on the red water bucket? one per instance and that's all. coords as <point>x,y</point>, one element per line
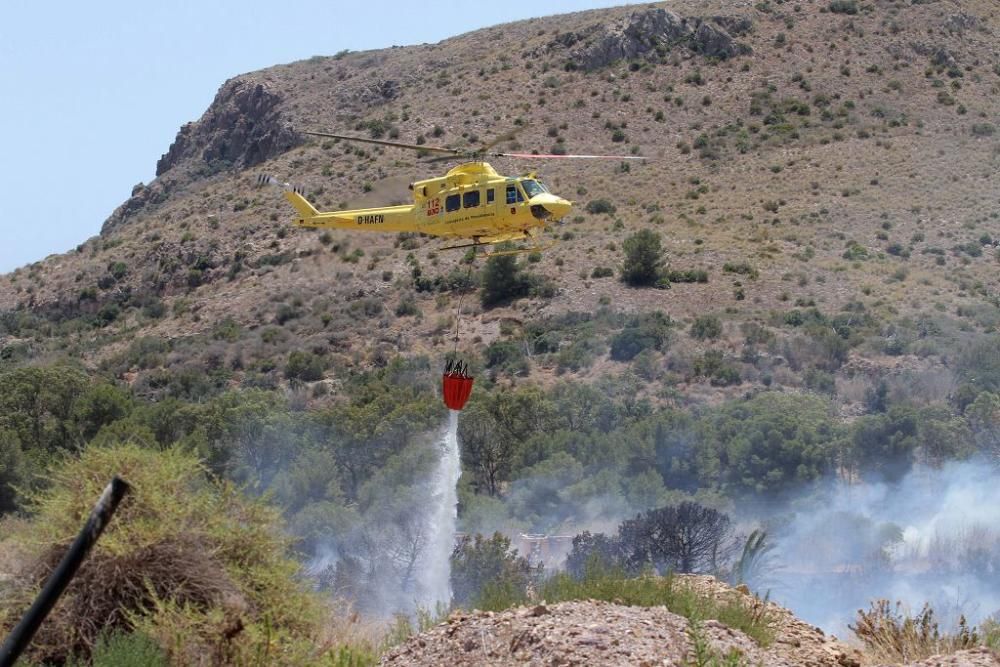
<point>456,390</point>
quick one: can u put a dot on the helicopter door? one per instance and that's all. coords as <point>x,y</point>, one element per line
<point>514,197</point>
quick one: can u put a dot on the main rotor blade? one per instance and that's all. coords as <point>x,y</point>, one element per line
<point>507,136</point>
<point>549,156</point>
<point>396,144</point>
<point>446,158</point>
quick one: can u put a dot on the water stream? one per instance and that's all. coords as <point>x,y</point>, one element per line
<point>434,579</point>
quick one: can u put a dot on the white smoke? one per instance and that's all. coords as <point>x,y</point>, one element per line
<point>933,537</point>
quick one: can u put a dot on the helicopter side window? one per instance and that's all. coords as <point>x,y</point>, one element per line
<point>452,203</point>
<point>489,196</point>
<point>514,194</point>
<point>470,199</point>
<point>532,188</point>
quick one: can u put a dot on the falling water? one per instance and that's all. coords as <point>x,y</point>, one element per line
<point>435,576</point>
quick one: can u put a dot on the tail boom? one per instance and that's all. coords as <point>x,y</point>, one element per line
<point>387,219</point>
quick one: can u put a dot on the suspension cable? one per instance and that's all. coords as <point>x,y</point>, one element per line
<point>458,313</point>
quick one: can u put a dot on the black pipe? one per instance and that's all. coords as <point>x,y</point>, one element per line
<point>19,639</point>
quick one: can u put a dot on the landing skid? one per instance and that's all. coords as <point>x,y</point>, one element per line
<point>538,247</point>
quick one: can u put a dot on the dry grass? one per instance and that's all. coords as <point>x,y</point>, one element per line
<point>109,589</point>
<point>891,635</point>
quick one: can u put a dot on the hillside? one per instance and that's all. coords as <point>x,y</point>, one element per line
<point>838,159</point>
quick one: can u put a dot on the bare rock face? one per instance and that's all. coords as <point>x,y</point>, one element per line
<point>243,127</point>
<point>649,34</point>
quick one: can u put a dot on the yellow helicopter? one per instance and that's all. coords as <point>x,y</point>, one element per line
<point>472,201</point>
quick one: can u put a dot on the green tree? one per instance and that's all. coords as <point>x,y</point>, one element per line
<point>883,446</point>
<point>643,258</point>
<point>503,280</point>
<point>593,551</point>
<point>39,405</point>
<point>944,436</point>
<point>770,443</point>
<point>13,471</point>
<point>983,417</point>
<point>488,565</point>
<point>979,364</point>
<point>98,406</point>
<point>486,450</point>
<point>645,489</point>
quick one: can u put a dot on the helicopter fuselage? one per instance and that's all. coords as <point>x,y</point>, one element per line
<point>472,201</point>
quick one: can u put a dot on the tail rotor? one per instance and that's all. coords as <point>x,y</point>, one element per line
<point>266,179</point>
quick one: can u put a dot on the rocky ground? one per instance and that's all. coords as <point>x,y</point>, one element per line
<point>980,657</point>
<point>591,632</point>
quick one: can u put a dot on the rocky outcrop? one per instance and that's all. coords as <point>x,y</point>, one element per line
<point>242,128</point>
<point>649,34</point>
<point>143,196</point>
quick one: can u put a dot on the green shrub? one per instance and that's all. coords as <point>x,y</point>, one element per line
<point>843,6</point>
<point>503,280</point>
<point>713,366</point>
<point>187,562</point>
<point>649,331</point>
<point>507,355</point>
<point>486,573</point>
<point>742,268</point>
<point>687,276</point>
<point>304,366</point>
<point>602,272</point>
<point>643,258</point>
<point>855,251</point>
<point>117,270</point>
<point>599,206</point>
<point>407,307</point>
<point>118,649</point>
<point>706,327</point>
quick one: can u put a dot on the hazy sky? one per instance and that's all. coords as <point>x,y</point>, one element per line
<point>94,92</point>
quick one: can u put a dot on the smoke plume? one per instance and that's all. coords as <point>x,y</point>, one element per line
<point>933,537</point>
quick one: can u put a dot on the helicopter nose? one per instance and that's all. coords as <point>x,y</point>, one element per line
<point>559,207</point>
<point>554,207</point>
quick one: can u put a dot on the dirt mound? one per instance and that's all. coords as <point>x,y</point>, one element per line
<point>980,657</point>
<point>591,632</point>
<point>571,633</point>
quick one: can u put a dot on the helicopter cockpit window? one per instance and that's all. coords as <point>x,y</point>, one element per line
<point>532,188</point>
<point>511,194</point>
<point>470,199</point>
<point>452,203</point>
